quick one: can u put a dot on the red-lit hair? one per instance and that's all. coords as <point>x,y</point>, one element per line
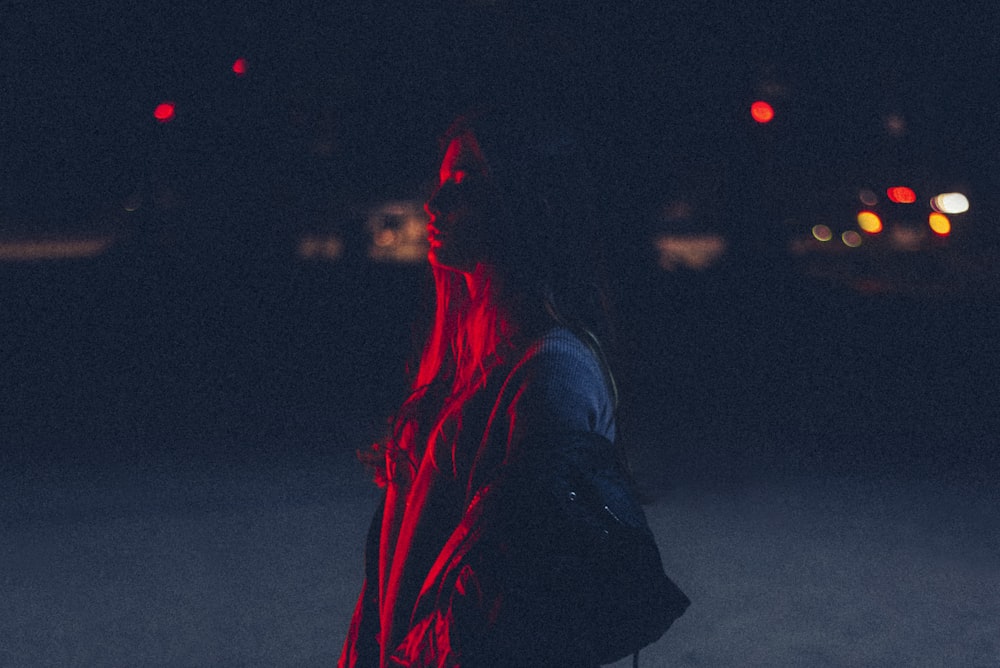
<point>547,277</point>
<point>470,336</point>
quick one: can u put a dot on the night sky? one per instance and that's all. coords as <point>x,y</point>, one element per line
<point>669,83</point>
<point>340,109</point>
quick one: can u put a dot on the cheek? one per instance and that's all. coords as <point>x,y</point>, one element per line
<point>466,221</point>
<point>473,239</point>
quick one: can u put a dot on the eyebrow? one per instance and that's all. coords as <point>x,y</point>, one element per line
<point>457,166</point>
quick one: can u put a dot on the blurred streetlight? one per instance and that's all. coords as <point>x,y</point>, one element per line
<point>164,112</point>
<point>762,112</point>
<point>901,195</point>
<point>870,222</point>
<point>939,223</point>
<point>822,232</point>
<point>851,239</point>
<point>950,203</point>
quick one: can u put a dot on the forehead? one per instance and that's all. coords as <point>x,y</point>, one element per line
<point>462,154</point>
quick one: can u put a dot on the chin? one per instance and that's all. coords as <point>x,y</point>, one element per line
<point>442,261</point>
<point>438,259</point>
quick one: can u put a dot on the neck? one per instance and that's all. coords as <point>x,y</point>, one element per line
<point>484,326</point>
<point>481,279</point>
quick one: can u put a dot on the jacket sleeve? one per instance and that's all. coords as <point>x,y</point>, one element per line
<point>361,649</point>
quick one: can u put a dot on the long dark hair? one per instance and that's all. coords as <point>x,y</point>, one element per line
<point>547,268</point>
<point>549,248</point>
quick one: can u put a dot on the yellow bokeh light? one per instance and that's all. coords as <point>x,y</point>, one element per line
<point>851,238</point>
<point>822,233</point>
<point>870,222</point>
<point>950,203</point>
<point>939,223</point>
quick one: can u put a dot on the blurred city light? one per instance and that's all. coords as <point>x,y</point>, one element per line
<point>240,67</point>
<point>822,233</point>
<point>321,247</point>
<point>868,197</point>
<point>851,239</point>
<point>950,203</point>
<point>164,112</point>
<point>398,232</point>
<point>30,250</point>
<point>939,223</point>
<point>870,222</point>
<point>762,112</point>
<point>901,195</point>
<point>906,238</point>
<point>132,202</point>
<point>677,210</point>
<point>696,252</point>
<point>895,125</point>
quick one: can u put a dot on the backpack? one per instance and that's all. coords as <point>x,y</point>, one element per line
<point>581,569</point>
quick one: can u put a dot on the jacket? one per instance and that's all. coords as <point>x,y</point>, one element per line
<point>460,568</point>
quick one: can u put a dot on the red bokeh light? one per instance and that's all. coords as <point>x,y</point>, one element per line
<point>901,195</point>
<point>164,112</point>
<point>240,67</point>
<point>762,112</point>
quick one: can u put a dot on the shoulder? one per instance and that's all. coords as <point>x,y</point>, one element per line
<point>559,344</point>
<point>560,357</point>
<point>562,386</point>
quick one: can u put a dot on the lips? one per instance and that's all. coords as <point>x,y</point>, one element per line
<point>433,235</point>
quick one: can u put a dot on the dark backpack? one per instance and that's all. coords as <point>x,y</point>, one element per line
<point>583,572</point>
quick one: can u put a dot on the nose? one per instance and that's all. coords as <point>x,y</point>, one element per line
<point>447,198</point>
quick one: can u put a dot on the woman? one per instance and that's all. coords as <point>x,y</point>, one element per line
<point>463,568</point>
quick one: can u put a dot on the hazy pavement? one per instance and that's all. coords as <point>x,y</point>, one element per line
<point>218,556</point>
<point>177,485</point>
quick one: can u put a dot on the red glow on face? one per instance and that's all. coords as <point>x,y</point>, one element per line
<point>240,67</point>
<point>456,228</point>
<point>762,112</point>
<point>164,112</point>
<point>463,154</point>
<point>901,195</point>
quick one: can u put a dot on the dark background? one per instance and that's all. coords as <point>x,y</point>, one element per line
<point>813,426</point>
<point>200,324</point>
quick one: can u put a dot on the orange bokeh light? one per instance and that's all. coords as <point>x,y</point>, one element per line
<point>164,112</point>
<point>939,224</point>
<point>901,195</point>
<point>762,112</point>
<point>870,222</point>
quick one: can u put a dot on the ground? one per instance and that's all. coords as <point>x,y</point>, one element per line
<point>209,556</point>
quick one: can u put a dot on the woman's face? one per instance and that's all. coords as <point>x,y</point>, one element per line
<point>459,210</point>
